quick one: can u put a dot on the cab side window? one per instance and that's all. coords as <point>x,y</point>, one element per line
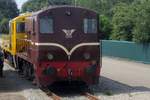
<point>20,27</point>
<point>90,25</point>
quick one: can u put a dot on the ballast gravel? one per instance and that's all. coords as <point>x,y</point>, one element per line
<point>13,87</point>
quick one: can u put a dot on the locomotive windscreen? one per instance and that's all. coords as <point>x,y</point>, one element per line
<point>46,25</point>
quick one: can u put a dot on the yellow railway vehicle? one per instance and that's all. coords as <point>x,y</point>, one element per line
<point>9,42</point>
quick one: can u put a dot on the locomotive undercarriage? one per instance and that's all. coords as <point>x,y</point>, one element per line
<point>22,66</point>
<point>25,68</point>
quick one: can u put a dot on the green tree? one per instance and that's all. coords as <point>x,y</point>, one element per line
<point>105,26</point>
<point>141,31</point>
<point>35,5</point>
<point>8,9</point>
<point>123,22</point>
<point>91,4</point>
<point>119,19</point>
<point>131,22</point>
<point>104,7</point>
<point>4,26</point>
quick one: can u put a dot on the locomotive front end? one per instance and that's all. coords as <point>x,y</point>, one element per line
<point>66,40</point>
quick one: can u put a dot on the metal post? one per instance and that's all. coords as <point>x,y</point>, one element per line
<point>75,2</point>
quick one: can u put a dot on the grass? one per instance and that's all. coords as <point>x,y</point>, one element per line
<point>108,93</point>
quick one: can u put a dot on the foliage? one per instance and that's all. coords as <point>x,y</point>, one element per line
<point>141,31</point>
<point>119,19</point>
<point>8,10</point>
<point>104,7</point>
<point>4,25</point>
<point>91,4</point>
<point>122,22</point>
<point>105,26</point>
<point>35,5</point>
<point>131,22</point>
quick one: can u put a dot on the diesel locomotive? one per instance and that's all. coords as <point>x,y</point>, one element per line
<point>59,43</point>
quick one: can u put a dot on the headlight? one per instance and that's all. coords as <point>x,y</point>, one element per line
<point>50,56</point>
<point>49,71</point>
<point>90,70</point>
<point>87,56</point>
<point>94,62</point>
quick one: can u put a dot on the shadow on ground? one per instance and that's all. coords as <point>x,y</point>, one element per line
<point>105,87</point>
<point>12,82</point>
<point>108,86</point>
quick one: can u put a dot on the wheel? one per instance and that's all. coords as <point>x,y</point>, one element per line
<point>25,69</point>
<point>30,72</point>
<point>20,66</point>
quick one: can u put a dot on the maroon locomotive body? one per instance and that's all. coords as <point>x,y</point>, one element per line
<point>63,46</point>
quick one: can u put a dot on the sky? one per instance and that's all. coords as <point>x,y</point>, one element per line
<point>20,2</point>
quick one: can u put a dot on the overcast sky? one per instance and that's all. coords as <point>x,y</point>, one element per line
<point>20,2</point>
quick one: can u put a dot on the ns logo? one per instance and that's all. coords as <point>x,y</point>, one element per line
<point>68,33</point>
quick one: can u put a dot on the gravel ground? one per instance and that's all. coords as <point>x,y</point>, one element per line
<point>128,72</point>
<point>122,80</point>
<point>11,96</point>
<point>113,90</point>
<point>112,86</point>
<point>13,87</point>
<point>108,89</point>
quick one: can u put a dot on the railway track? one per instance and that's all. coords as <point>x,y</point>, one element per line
<point>51,94</point>
<point>90,96</point>
<point>54,96</point>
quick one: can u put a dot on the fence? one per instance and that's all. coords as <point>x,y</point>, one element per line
<point>129,50</point>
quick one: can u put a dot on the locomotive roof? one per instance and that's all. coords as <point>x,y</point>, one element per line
<point>21,16</point>
<point>64,6</point>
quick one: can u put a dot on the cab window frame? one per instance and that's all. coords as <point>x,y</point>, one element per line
<point>20,30</point>
<point>90,25</point>
<point>51,25</point>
